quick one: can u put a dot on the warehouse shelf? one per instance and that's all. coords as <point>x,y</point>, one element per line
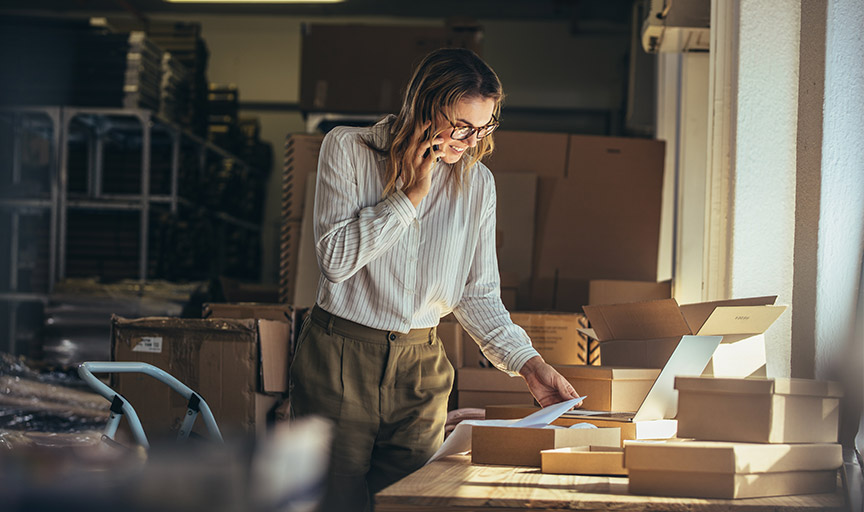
<point>59,163</point>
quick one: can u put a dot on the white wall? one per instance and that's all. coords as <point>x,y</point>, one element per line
<point>841,216</point>
<point>763,217</point>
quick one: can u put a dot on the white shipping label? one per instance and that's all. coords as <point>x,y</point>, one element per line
<point>149,344</point>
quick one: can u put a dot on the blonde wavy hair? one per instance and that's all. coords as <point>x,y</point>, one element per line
<point>441,80</point>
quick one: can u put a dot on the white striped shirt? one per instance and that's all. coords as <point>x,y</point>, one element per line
<point>392,267</point>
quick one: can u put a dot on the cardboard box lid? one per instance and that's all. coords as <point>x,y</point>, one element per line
<point>697,314</point>
<point>257,310</point>
<point>725,457</point>
<point>572,371</point>
<point>488,379</point>
<point>750,386</point>
<point>637,320</point>
<point>665,319</point>
<point>740,320</point>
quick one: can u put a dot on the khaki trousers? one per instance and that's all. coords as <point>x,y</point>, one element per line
<point>386,393</point>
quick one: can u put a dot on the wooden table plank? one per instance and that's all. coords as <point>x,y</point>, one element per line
<point>454,484</point>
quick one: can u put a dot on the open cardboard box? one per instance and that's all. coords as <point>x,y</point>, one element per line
<point>584,460</point>
<point>608,388</point>
<point>239,367</point>
<point>758,410</point>
<point>655,429</point>
<point>644,334</point>
<point>705,469</point>
<point>514,446</point>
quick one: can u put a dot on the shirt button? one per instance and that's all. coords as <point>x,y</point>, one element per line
<point>392,337</point>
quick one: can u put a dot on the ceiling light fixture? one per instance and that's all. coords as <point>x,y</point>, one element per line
<point>254,1</point>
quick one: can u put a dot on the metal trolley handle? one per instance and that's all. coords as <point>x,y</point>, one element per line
<point>120,406</point>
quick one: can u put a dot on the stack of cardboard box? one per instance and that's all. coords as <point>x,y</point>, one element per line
<point>751,438</point>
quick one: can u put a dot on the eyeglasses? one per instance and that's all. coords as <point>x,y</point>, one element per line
<point>463,132</point>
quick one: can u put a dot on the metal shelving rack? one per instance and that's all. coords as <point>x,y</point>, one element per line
<point>58,127</point>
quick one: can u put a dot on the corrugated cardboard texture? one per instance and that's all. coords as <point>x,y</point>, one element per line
<point>216,358</point>
<point>584,460</point>
<point>522,446</point>
<point>555,335</point>
<point>609,388</point>
<point>328,63</point>
<point>756,415</point>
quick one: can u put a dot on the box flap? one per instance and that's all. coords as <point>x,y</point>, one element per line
<point>638,320</point>
<point>274,337</point>
<point>731,458</point>
<point>696,314</point>
<point>587,331</point>
<point>256,310</point>
<point>740,320</point>
<point>754,386</point>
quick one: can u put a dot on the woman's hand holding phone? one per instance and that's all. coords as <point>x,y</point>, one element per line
<point>429,152</point>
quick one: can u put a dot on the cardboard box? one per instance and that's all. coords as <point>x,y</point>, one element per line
<point>451,335</point>
<point>609,388</point>
<point>514,446</point>
<point>301,161</point>
<point>644,334</point>
<point>731,470</point>
<point>257,310</point>
<point>479,387</point>
<point>604,291</point>
<point>331,69</point>
<point>584,460</point>
<point>234,364</point>
<point>758,410</point>
<point>630,430</point>
<point>617,181</point>
<point>556,336</point>
<point>260,311</point>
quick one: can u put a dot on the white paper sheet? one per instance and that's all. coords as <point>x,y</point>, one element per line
<point>459,440</point>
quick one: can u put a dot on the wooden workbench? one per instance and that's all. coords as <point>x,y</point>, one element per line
<point>454,484</point>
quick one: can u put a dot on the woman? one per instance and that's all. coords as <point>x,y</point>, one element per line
<point>405,234</point>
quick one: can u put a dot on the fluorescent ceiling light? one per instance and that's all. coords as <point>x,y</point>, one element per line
<point>254,1</point>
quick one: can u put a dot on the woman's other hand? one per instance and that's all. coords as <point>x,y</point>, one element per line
<point>545,383</point>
